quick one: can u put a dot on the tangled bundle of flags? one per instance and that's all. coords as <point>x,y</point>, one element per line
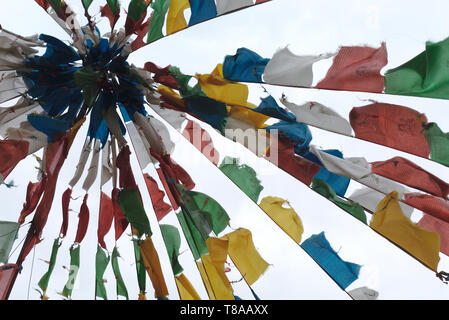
<point>63,86</point>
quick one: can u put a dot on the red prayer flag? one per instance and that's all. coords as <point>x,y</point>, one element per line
<point>201,139</point>
<point>391,125</point>
<point>162,75</point>
<point>83,221</point>
<point>65,211</point>
<point>107,12</point>
<point>432,224</point>
<point>34,193</point>
<point>299,167</point>
<point>357,69</point>
<point>120,221</point>
<point>141,33</point>
<point>126,177</point>
<point>157,197</point>
<point>7,274</point>
<point>434,206</point>
<point>55,156</point>
<point>408,173</point>
<point>173,202</point>
<point>105,218</point>
<point>11,153</point>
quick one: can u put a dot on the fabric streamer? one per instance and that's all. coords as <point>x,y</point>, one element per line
<point>357,69</point>
<point>286,218</point>
<point>390,222</point>
<point>344,273</point>
<point>243,176</point>
<point>391,125</point>
<point>246,258</point>
<point>43,282</point>
<point>320,116</point>
<point>326,191</point>
<point>424,75</point>
<point>288,69</point>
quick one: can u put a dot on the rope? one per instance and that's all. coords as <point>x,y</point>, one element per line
<point>31,274</point>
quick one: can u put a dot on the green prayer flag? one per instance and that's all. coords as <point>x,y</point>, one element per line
<point>56,5</point>
<point>114,5</point>
<point>140,267</point>
<point>136,9</point>
<point>351,207</point>
<point>160,8</point>
<point>438,143</point>
<point>131,204</point>
<point>204,210</point>
<point>194,238</point>
<point>8,234</point>
<point>172,241</point>
<point>101,263</point>
<point>121,288</point>
<point>183,83</point>
<point>87,3</point>
<point>74,268</point>
<point>43,282</point>
<point>243,176</point>
<point>426,75</point>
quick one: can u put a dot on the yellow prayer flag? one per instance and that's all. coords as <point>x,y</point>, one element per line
<point>394,225</point>
<point>171,96</point>
<point>246,115</point>
<point>220,89</point>
<point>218,252</point>
<point>286,218</point>
<point>153,267</point>
<point>175,17</point>
<point>215,286</point>
<point>185,288</point>
<point>243,253</point>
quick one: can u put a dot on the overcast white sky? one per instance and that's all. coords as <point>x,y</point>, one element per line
<point>308,27</point>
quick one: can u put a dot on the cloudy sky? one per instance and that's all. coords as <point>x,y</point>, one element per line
<point>307,27</point>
